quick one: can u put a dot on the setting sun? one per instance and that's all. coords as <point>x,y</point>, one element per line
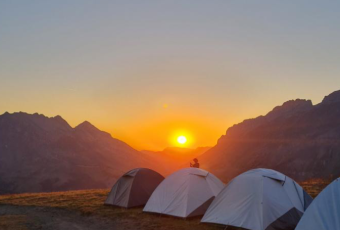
<point>181,139</point>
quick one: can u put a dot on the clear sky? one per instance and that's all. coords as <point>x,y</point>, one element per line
<point>147,71</point>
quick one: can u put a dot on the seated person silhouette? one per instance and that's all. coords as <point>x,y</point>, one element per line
<point>196,164</point>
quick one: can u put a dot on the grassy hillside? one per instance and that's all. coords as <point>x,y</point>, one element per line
<point>88,204</point>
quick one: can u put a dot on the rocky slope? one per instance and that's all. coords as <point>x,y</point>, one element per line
<point>41,154</point>
<point>297,138</point>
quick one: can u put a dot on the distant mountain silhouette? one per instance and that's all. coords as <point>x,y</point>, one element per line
<point>297,138</point>
<point>173,158</point>
<point>41,154</point>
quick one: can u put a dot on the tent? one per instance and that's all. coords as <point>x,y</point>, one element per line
<point>134,188</point>
<point>259,199</point>
<point>185,193</point>
<point>324,212</point>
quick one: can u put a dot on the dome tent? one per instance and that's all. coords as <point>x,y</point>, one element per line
<point>185,193</point>
<point>134,188</point>
<point>324,212</point>
<point>259,199</point>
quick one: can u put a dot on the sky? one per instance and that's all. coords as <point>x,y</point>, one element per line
<point>149,71</point>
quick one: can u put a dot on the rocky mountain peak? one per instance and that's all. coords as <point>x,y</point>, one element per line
<point>59,157</point>
<point>61,121</point>
<point>292,106</point>
<point>86,126</point>
<point>37,120</point>
<point>332,98</point>
<point>284,111</point>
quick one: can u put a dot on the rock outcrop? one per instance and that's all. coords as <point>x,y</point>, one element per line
<point>296,138</point>
<point>41,154</point>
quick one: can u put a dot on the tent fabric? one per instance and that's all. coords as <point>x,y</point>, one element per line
<point>134,188</point>
<point>307,199</point>
<point>324,212</point>
<point>259,199</point>
<point>288,221</point>
<point>185,193</point>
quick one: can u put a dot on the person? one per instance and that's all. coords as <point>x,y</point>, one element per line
<point>196,164</point>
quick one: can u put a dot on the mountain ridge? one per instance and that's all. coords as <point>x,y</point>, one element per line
<point>301,141</point>
<point>44,154</point>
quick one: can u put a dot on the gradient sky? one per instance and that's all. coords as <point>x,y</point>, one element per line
<point>213,63</point>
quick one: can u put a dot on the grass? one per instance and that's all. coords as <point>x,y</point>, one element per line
<point>315,186</point>
<point>10,222</point>
<point>91,202</point>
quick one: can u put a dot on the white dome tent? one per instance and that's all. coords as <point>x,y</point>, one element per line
<point>259,199</point>
<point>185,193</point>
<point>324,212</point>
<point>134,188</point>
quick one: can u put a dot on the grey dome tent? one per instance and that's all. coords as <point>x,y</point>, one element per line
<point>259,199</point>
<point>134,188</point>
<point>185,193</point>
<point>324,212</point>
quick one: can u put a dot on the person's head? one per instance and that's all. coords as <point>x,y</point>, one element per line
<point>195,159</point>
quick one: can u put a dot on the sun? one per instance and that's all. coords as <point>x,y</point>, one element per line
<point>181,139</point>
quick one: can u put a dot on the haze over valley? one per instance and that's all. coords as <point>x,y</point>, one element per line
<point>41,154</point>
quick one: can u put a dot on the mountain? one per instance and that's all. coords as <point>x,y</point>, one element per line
<point>174,158</point>
<point>41,154</point>
<point>298,138</point>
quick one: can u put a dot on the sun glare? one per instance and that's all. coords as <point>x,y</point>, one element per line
<point>181,139</point>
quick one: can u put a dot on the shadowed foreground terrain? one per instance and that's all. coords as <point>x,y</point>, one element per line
<point>85,210</point>
<point>81,210</point>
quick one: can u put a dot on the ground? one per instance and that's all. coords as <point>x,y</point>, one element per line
<point>315,186</point>
<point>81,210</point>
<point>86,210</point>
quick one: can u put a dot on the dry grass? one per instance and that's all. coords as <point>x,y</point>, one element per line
<point>90,202</point>
<point>315,186</point>
<point>85,201</point>
<point>13,222</point>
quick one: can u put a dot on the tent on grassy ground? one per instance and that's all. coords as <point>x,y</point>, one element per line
<point>134,188</point>
<point>260,199</point>
<point>324,212</point>
<point>185,193</point>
